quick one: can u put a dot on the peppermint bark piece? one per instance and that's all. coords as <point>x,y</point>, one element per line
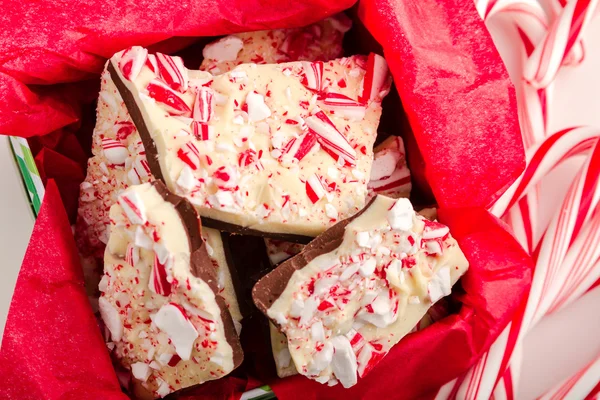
<point>390,175</point>
<point>160,300</point>
<point>119,161</point>
<point>277,150</point>
<point>358,288</point>
<point>321,41</point>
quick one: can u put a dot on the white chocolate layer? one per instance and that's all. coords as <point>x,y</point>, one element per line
<point>153,306</point>
<point>368,293</point>
<point>240,172</point>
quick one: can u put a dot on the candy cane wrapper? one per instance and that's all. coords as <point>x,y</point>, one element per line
<point>463,142</point>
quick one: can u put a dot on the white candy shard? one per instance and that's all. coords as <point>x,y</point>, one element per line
<point>343,363</point>
<point>368,267</point>
<point>440,284</point>
<point>394,274</point>
<point>317,332</point>
<point>283,357</point>
<point>172,320</point>
<point>321,359</point>
<point>362,238</point>
<point>140,371</point>
<point>257,109</point>
<point>225,49</point>
<point>112,319</point>
<point>401,215</point>
<point>384,164</point>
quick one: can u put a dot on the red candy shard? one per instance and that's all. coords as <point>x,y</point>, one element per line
<point>174,360</point>
<point>201,130</point>
<point>130,255</point>
<point>172,71</point>
<point>343,105</point>
<point>399,178</point>
<point>125,128</point>
<point>368,358</point>
<point>158,282</point>
<point>324,305</point>
<point>434,230</point>
<point>357,341</point>
<point>247,157</point>
<point>313,75</point>
<point>203,105</point>
<point>132,61</point>
<point>375,79</point>
<point>189,154</point>
<point>151,63</point>
<point>315,190</point>
<point>300,147</point>
<point>330,138</point>
<point>168,97</point>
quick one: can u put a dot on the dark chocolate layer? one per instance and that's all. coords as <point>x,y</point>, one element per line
<point>271,286</point>
<point>241,230</point>
<point>138,120</point>
<point>201,265</point>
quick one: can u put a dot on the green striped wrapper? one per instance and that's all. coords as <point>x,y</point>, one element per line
<point>29,172</point>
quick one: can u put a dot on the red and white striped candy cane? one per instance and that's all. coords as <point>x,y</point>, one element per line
<point>531,24</point>
<point>563,34</point>
<point>585,381</point>
<point>496,373</point>
<point>577,53</point>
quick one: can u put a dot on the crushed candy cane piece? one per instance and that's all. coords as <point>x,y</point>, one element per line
<point>162,93</point>
<point>132,61</point>
<point>330,137</point>
<point>172,71</point>
<point>314,188</point>
<point>172,320</point>
<point>400,216</point>
<point>114,151</point>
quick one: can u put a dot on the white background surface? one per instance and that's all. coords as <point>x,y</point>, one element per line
<point>555,349</point>
<point>16,223</point>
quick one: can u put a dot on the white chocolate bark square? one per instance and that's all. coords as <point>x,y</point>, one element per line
<point>346,308</point>
<point>321,41</point>
<point>168,325</point>
<point>119,161</point>
<point>280,149</point>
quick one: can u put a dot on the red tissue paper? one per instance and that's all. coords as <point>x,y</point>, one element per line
<point>463,135</point>
<point>52,347</point>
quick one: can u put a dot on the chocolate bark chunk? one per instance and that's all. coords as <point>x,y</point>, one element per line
<point>152,157</point>
<point>217,173</point>
<point>201,265</point>
<point>269,288</point>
